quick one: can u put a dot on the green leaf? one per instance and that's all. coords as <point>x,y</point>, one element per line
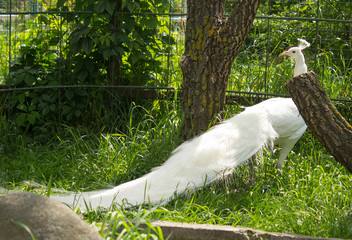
<point>106,53</point>
<point>53,82</point>
<point>99,7</point>
<point>69,116</point>
<point>78,113</point>
<point>52,107</point>
<point>82,75</point>
<point>135,45</point>
<point>69,94</point>
<point>147,54</point>
<point>110,6</point>
<point>87,45</point>
<point>123,38</point>
<point>133,58</point>
<point>43,19</point>
<point>32,107</point>
<point>46,97</point>
<point>22,107</point>
<point>54,41</point>
<point>120,50</point>
<point>81,92</point>
<point>66,110</point>
<point>21,119</point>
<point>45,110</point>
<point>29,80</point>
<point>138,6</point>
<point>60,3</point>
<point>32,117</point>
<point>127,4</point>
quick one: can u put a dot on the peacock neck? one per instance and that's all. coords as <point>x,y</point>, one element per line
<point>300,65</point>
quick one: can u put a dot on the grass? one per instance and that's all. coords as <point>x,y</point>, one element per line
<point>251,73</point>
<point>311,196</point>
<point>116,224</point>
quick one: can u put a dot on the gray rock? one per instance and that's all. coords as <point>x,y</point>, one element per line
<point>44,217</point>
<point>190,231</point>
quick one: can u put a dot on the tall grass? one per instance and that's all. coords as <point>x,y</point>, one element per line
<point>115,225</point>
<point>261,72</point>
<point>70,155</point>
<point>312,195</point>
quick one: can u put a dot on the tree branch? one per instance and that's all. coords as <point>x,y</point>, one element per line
<point>322,117</point>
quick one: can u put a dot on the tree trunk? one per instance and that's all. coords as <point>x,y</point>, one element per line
<point>322,117</point>
<point>211,44</point>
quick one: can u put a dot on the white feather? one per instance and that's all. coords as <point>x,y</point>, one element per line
<point>297,55</point>
<point>303,43</point>
<point>204,158</point>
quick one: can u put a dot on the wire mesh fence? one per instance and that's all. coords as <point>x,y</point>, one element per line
<point>54,45</point>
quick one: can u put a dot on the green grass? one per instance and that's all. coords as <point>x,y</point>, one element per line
<point>311,196</point>
<point>251,72</point>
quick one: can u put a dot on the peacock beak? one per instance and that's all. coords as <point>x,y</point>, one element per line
<point>284,53</point>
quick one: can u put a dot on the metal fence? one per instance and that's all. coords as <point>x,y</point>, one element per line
<point>257,70</point>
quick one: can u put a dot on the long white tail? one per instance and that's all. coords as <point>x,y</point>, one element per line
<point>191,165</point>
<point>204,158</point>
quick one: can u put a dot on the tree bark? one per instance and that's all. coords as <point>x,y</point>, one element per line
<point>211,45</point>
<point>322,117</point>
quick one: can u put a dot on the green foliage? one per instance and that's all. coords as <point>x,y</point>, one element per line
<point>117,153</point>
<point>102,42</point>
<point>258,67</point>
<point>77,49</point>
<point>311,196</point>
<point>115,225</point>
<point>103,33</point>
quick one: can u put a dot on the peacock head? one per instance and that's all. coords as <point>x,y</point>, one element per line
<point>296,52</point>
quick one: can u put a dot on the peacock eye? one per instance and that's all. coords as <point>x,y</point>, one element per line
<point>293,51</point>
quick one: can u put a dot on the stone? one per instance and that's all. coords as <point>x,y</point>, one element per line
<point>192,231</point>
<point>23,212</point>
